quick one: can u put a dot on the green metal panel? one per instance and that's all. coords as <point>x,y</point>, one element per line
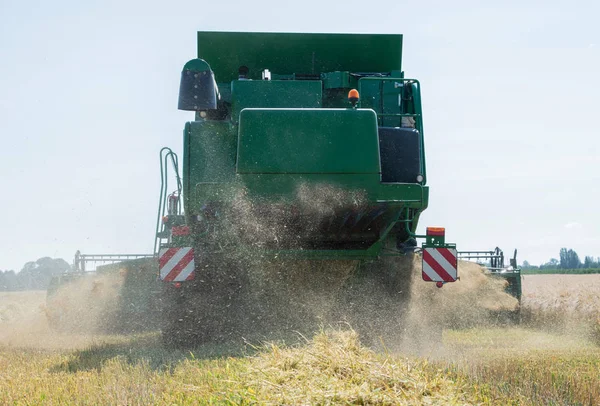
<point>282,188</point>
<point>209,154</point>
<point>338,80</point>
<point>197,65</point>
<point>384,96</point>
<point>274,93</point>
<point>308,141</point>
<point>287,53</point>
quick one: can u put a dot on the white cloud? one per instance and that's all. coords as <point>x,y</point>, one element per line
<point>573,225</point>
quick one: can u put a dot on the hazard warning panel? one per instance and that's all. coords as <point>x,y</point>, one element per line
<point>176,264</point>
<point>439,264</point>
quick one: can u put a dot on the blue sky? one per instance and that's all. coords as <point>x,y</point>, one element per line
<point>88,94</point>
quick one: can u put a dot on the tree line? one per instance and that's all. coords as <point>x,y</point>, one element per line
<point>35,275</point>
<point>568,259</point>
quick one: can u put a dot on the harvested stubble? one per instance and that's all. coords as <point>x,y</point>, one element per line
<point>36,367</point>
<point>477,366</point>
<point>531,366</point>
<point>553,358</point>
<point>333,368</point>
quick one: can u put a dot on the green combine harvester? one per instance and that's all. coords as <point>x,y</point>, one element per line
<point>304,149</point>
<point>302,182</point>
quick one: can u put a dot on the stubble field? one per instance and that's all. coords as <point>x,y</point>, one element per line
<point>553,357</point>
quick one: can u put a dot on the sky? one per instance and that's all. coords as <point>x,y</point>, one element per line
<point>88,96</point>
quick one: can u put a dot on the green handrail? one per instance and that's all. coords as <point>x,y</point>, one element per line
<point>166,154</point>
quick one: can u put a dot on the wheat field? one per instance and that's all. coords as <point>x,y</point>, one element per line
<point>535,363</point>
<point>572,293</point>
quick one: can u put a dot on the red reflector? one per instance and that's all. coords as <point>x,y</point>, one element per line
<point>181,230</point>
<point>439,284</point>
<point>177,285</point>
<point>436,231</point>
<point>165,219</point>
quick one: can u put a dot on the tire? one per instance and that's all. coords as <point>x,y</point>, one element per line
<point>376,299</point>
<point>209,309</point>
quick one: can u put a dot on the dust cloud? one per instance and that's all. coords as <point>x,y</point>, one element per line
<point>23,324</point>
<point>86,304</point>
<point>73,316</point>
<point>274,225</point>
<point>385,300</point>
<point>478,299</point>
<point>466,302</point>
<point>249,295</point>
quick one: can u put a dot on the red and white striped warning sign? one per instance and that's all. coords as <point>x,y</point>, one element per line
<point>176,264</point>
<point>439,264</point>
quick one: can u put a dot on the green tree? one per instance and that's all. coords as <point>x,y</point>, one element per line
<point>574,261</point>
<point>9,281</point>
<point>37,275</point>
<point>569,259</point>
<point>589,262</point>
<point>552,264</point>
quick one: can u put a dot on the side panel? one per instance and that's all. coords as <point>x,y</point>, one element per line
<point>308,141</point>
<point>209,156</point>
<point>212,147</point>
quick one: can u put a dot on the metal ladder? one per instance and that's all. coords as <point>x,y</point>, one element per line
<point>167,203</point>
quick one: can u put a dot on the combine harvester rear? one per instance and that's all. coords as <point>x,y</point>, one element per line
<point>305,162</point>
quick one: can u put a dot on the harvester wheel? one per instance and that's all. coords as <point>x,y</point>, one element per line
<point>210,309</point>
<point>375,300</point>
